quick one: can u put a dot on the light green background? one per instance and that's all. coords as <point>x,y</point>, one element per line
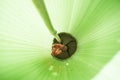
<point>25,42</point>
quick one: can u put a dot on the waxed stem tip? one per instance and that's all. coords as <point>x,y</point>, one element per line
<point>64,49</point>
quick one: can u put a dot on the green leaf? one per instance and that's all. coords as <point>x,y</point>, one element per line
<point>25,43</point>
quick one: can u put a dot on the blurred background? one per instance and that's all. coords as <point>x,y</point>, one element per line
<point>25,42</point>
